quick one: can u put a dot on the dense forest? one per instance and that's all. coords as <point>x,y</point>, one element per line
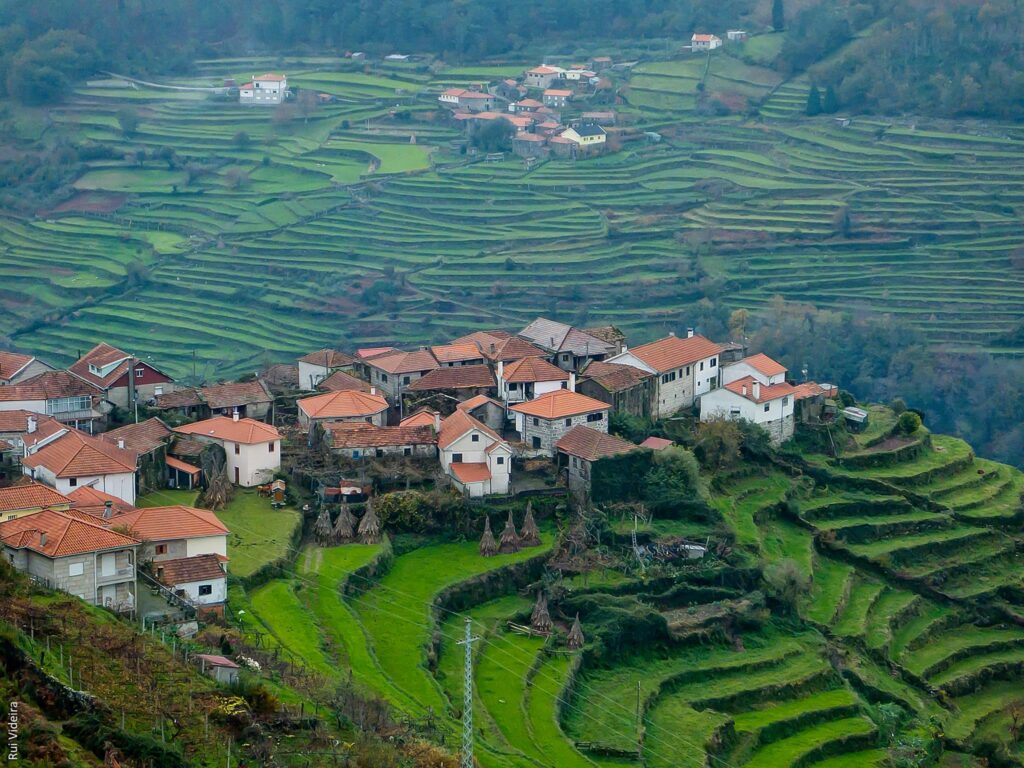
<point>944,57</point>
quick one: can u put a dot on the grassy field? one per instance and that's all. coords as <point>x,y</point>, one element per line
<point>260,534</point>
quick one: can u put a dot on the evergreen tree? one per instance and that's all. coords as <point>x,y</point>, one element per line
<point>778,15</point>
<point>814,101</point>
<point>831,103</point>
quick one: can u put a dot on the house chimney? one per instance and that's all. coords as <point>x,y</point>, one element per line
<point>689,333</point>
<point>493,348</point>
<point>234,415</point>
<point>572,382</point>
<point>671,333</point>
<point>437,421</point>
<point>501,369</point>
<point>120,443</point>
<point>373,390</point>
<point>108,509</point>
<point>744,390</point>
<point>42,538</point>
<point>757,390</point>
<point>32,425</point>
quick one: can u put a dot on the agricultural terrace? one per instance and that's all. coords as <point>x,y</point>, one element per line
<point>245,235</point>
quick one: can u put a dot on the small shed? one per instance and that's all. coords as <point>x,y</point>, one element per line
<point>856,418</point>
<point>221,669</point>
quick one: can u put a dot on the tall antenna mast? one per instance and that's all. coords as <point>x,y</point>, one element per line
<point>467,697</point>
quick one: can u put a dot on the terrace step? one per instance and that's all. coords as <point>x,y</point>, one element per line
<point>945,649</point>
<point>859,530</point>
<point>881,506</point>
<point>962,676</point>
<point>773,721</point>
<point>907,549</point>
<point>822,740</point>
<point>741,690</point>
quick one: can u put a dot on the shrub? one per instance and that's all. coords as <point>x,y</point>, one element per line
<point>786,582</point>
<point>673,480</point>
<point>718,443</point>
<point>909,422</point>
<point>898,406</point>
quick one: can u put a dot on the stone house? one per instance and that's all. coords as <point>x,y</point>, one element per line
<point>317,366</point>
<point>501,346</point>
<point>579,448</point>
<point>391,373</point>
<point>543,421</point>
<point>248,399</point>
<point>15,367</point>
<point>459,383</point>
<point>542,76</point>
<point>566,346</point>
<point>339,381</point>
<point>345,405</point>
<point>626,389</point>
<point>359,440</point>
<point>75,555</point>
<point>530,377</point>
<point>455,355</point>
<point>557,97</point>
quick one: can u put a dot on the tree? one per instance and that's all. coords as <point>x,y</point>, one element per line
<point>241,140</point>
<point>674,479</point>
<point>813,101</point>
<point>128,121</point>
<point>495,136</point>
<point>909,422</point>
<point>718,443</point>
<point>786,582</point>
<point>830,105</point>
<point>841,221</point>
<point>778,16</point>
<point>738,324</point>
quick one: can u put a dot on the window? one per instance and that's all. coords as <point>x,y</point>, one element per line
<point>356,454</point>
<point>94,370</point>
<point>714,361</point>
<point>384,377</point>
<point>536,442</point>
<point>565,385</point>
<point>238,448</point>
<point>668,377</point>
<point>512,386</point>
<point>161,549</point>
<point>76,569</point>
<point>380,452</point>
<point>475,438</point>
<point>140,372</point>
<point>72,481</point>
<point>456,458</point>
<point>270,446</point>
<point>59,405</point>
<point>595,416</point>
<point>785,401</point>
<point>568,422</point>
<point>767,407</point>
<point>407,451</point>
<point>158,390</point>
<point>565,358</point>
<point>500,460</point>
<point>536,421</point>
<point>702,365</point>
<point>205,589</point>
<point>734,412</point>
<point>687,370</point>
<point>406,380</point>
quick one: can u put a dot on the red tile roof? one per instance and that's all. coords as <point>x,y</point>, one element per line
<point>166,523</point>
<point>341,405</point>
<point>246,431</point>
<point>340,381</point>
<point>764,364</point>
<point>359,434</point>
<point>458,424</point>
<point>813,389</point>
<point>65,534</point>
<point>142,438</point>
<point>182,466</point>
<point>591,445</point>
<point>475,472</point>
<point>49,385</point>
<point>179,398</point>
<point>531,369</point>
<point>216,661</point>
<point>12,362</point>
<point>559,404</point>
<point>30,495</point>
<point>774,392</point>
<point>557,92</point>
<point>236,393</point>
<point>476,401</point>
<point>93,502</point>
<point>656,443</point>
<point>405,362</point>
<point>615,377</point>
<point>100,356</point>
<point>456,353</point>
<point>331,358</point>
<point>188,570</point>
<point>424,417</point>
<point>703,38</point>
<point>271,77</point>
<point>76,454</point>
<point>675,352</point>
<point>458,377</point>
<point>542,70</point>
<point>368,353</point>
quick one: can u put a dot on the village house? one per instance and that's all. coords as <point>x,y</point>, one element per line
<point>684,369</point>
<point>422,417</point>
<point>737,35</point>
<point>486,410</point>
<point>149,440</point>
<point>266,90</point>
<point>25,430</point>
<point>600,63</point>
<point>562,147</point>
<point>598,118</point>
<point>15,367</point>
<point>74,459</point>
<point>454,355</point>
<point>252,448</point>
<point>122,379</point>
<point>586,136</point>
<point>529,145</point>
<point>317,366</point>
<point>28,498</point>
<point>75,555</point>
<point>220,668</point>
<point>58,394</point>
<point>578,74</point>
<point>393,372</point>
<point>770,407</point>
<point>759,366</point>
<point>542,77</point>
<point>89,501</point>
<point>476,459</point>
<point>340,381</point>
<point>626,389</point>
<point>557,97</point>
<point>280,378</point>
<point>457,384</point>
<point>812,401</point>
<point>530,377</point>
<point>471,101</point>
<point>346,405</point>
<point>578,449</point>
<point>542,422</point>
<point>700,43</point>
<point>525,106</point>
<point>359,440</point>
<point>569,348</point>
<point>509,89</point>
<point>202,580</point>
<point>501,346</point>
<point>249,399</point>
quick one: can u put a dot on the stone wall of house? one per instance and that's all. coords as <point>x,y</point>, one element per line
<point>551,430</point>
<point>780,430</point>
<point>425,450</point>
<point>638,400</point>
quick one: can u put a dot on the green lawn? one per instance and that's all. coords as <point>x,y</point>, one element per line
<point>260,534</point>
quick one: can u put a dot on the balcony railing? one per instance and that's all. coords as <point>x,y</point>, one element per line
<point>119,574</point>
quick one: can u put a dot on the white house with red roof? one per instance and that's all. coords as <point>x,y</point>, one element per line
<point>264,90</point>
<point>685,369</point>
<point>768,406</point>
<point>474,456</point>
<point>542,76</point>
<point>252,448</point>
<point>531,377</point>
<point>702,42</point>
<point>174,532</point>
<point>316,367</point>
<point>462,98</point>
<point>75,459</point>
<point>16,367</point>
<point>59,394</point>
<point>759,366</point>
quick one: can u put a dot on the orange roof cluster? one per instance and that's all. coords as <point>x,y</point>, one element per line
<point>346,404</point>
<point>142,438</point>
<point>65,534</point>
<point>94,502</point>
<point>456,353</point>
<point>331,358</point>
<point>424,417</point>
<point>340,381</point>
<point>455,377</point>
<point>31,495</point>
<point>559,404</point>
<point>245,431</point>
<point>173,522</point>
<point>187,570</point>
<point>675,352</point>
<point>764,364</point>
<point>77,454</point>
<point>590,445</point>
<point>745,388</point>
<point>458,424</point>
<point>359,434</point>
<point>49,385</point>
<point>531,369</point>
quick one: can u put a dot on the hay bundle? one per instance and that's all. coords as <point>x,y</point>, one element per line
<point>530,536</point>
<point>575,639</point>
<point>322,527</point>
<point>488,546</point>
<point>540,619</point>
<point>344,527</point>
<point>509,542</point>
<point>369,526</point>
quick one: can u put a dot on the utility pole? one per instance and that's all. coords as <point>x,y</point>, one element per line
<point>467,697</point>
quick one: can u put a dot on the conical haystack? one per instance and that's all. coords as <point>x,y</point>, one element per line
<point>369,526</point>
<point>540,619</point>
<point>322,527</point>
<point>575,639</point>
<point>488,546</point>
<point>530,536</point>
<point>509,542</point>
<point>344,527</point>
